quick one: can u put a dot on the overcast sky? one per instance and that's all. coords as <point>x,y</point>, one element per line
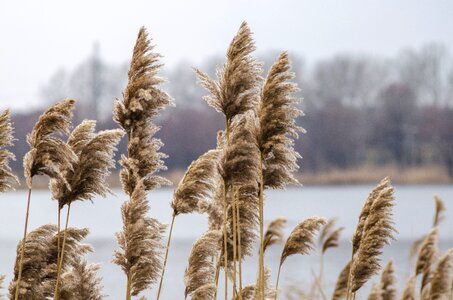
<point>39,37</point>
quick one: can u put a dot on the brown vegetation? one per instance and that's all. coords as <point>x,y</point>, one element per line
<point>254,152</point>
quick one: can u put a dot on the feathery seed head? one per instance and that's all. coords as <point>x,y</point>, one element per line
<point>301,239</point>
<point>48,154</point>
<point>442,279</point>
<point>7,178</point>
<point>377,232</point>
<point>237,86</point>
<point>274,233</point>
<point>199,183</point>
<point>199,276</point>
<point>341,287</point>
<point>277,113</point>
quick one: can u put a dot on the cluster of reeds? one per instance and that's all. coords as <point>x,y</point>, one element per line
<point>227,184</point>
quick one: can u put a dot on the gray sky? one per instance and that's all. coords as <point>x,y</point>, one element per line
<point>39,37</point>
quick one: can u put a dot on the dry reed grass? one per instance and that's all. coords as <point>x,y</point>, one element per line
<point>40,261</point>
<point>341,287</point>
<point>274,233</point>
<point>426,256</point>
<point>7,178</point>
<point>254,152</point>
<point>49,154</point>
<point>140,241</point>
<point>388,282</point>
<point>375,230</point>
<point>409,289</point>
<point>441,282</point>
<point>199,277</point>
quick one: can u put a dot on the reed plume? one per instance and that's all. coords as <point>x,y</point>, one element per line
<point>41,259</point>
<point>200,190</point>
<point>341,286</point>
<point>199,184</point>
<point>409,289</point>
<point>142,102</point>
<point>439,215</point>
<point>240,173</point>
<point>2,278</point>
<point>300,241</point>
<point>140,243</point>
<point>81,282</point>
<point>274,233</point>
<point>233,93</point>
<point>7,178</point>
<point>236,87</point>
<point>48,154</point>
<point>85,177</point>
<point>376,292</point>
<point>365,212</point>
<point>277,112</point>
<point>141,249</point>
<point>388,282</point>
<point>329,236</point>
<point>440,211</point>
<point>377,232</point>
<point>442,279</point>
<point>204,292</point>
<point>426,292</point>
<point>426,256</point>
<point>251,291</point>
<point>199,276</point>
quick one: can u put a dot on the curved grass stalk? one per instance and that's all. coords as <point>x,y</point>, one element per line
<point>166,255</point>
<point>60,263</point>
<point>278,279</point>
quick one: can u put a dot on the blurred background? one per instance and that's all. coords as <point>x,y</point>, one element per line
<point>377,77</point>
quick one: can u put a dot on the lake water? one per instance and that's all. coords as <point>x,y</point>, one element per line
<point>413,217</point>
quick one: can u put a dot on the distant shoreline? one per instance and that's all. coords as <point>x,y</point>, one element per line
<point>366,174</point>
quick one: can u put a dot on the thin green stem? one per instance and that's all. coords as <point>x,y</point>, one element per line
<point>166,255</point>
<point>60,263</point>
<point>22,250</point>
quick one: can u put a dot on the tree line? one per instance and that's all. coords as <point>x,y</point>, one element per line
<point>359,109</point>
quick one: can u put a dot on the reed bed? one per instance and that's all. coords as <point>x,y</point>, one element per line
<point>227,185</point>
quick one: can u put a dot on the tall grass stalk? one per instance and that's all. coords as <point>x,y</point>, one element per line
<point>166,255</point>
<point>22,250</point>
<point>238,222</point>
<point>60,262</point>
<point>261,214</point>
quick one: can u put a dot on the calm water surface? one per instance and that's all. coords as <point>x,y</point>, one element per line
<point>413,216</point>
